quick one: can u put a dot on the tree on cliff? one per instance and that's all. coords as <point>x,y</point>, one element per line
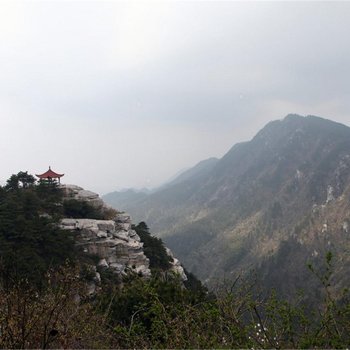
<point>30,239</point>
<point>20,180</point>
<point>153,248</point>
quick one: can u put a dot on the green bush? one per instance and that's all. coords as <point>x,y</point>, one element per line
<point>81,210</point>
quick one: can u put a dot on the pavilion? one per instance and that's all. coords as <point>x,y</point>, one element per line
<point>49,176</point>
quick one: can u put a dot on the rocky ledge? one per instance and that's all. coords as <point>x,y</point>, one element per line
<point>113,241</point>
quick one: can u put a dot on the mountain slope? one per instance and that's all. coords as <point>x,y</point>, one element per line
<point>132,198</point>
<point>266,199</point>
<point>194,173</point>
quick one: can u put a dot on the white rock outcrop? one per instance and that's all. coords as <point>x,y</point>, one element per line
<point>330,194</point>
<point>118,247</point>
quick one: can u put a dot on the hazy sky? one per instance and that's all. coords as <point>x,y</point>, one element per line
<point>125,94</point>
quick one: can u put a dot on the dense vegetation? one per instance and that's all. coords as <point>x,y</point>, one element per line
<point>158,313</point>
<point>44,302</point>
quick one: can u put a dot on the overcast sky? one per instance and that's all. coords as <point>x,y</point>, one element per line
<point>125,94</point>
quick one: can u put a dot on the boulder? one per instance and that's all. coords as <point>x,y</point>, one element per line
<point>78,193</point>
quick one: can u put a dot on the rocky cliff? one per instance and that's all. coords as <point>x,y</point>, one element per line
<point>114,242</point>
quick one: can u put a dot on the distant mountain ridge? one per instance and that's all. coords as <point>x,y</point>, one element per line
<point>131,196</point>
<point>122,199</point>
<point>267,199</point>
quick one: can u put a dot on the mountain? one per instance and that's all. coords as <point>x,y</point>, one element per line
<point>273,204</point>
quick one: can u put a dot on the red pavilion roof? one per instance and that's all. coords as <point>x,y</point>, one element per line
<point>49,174</point>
